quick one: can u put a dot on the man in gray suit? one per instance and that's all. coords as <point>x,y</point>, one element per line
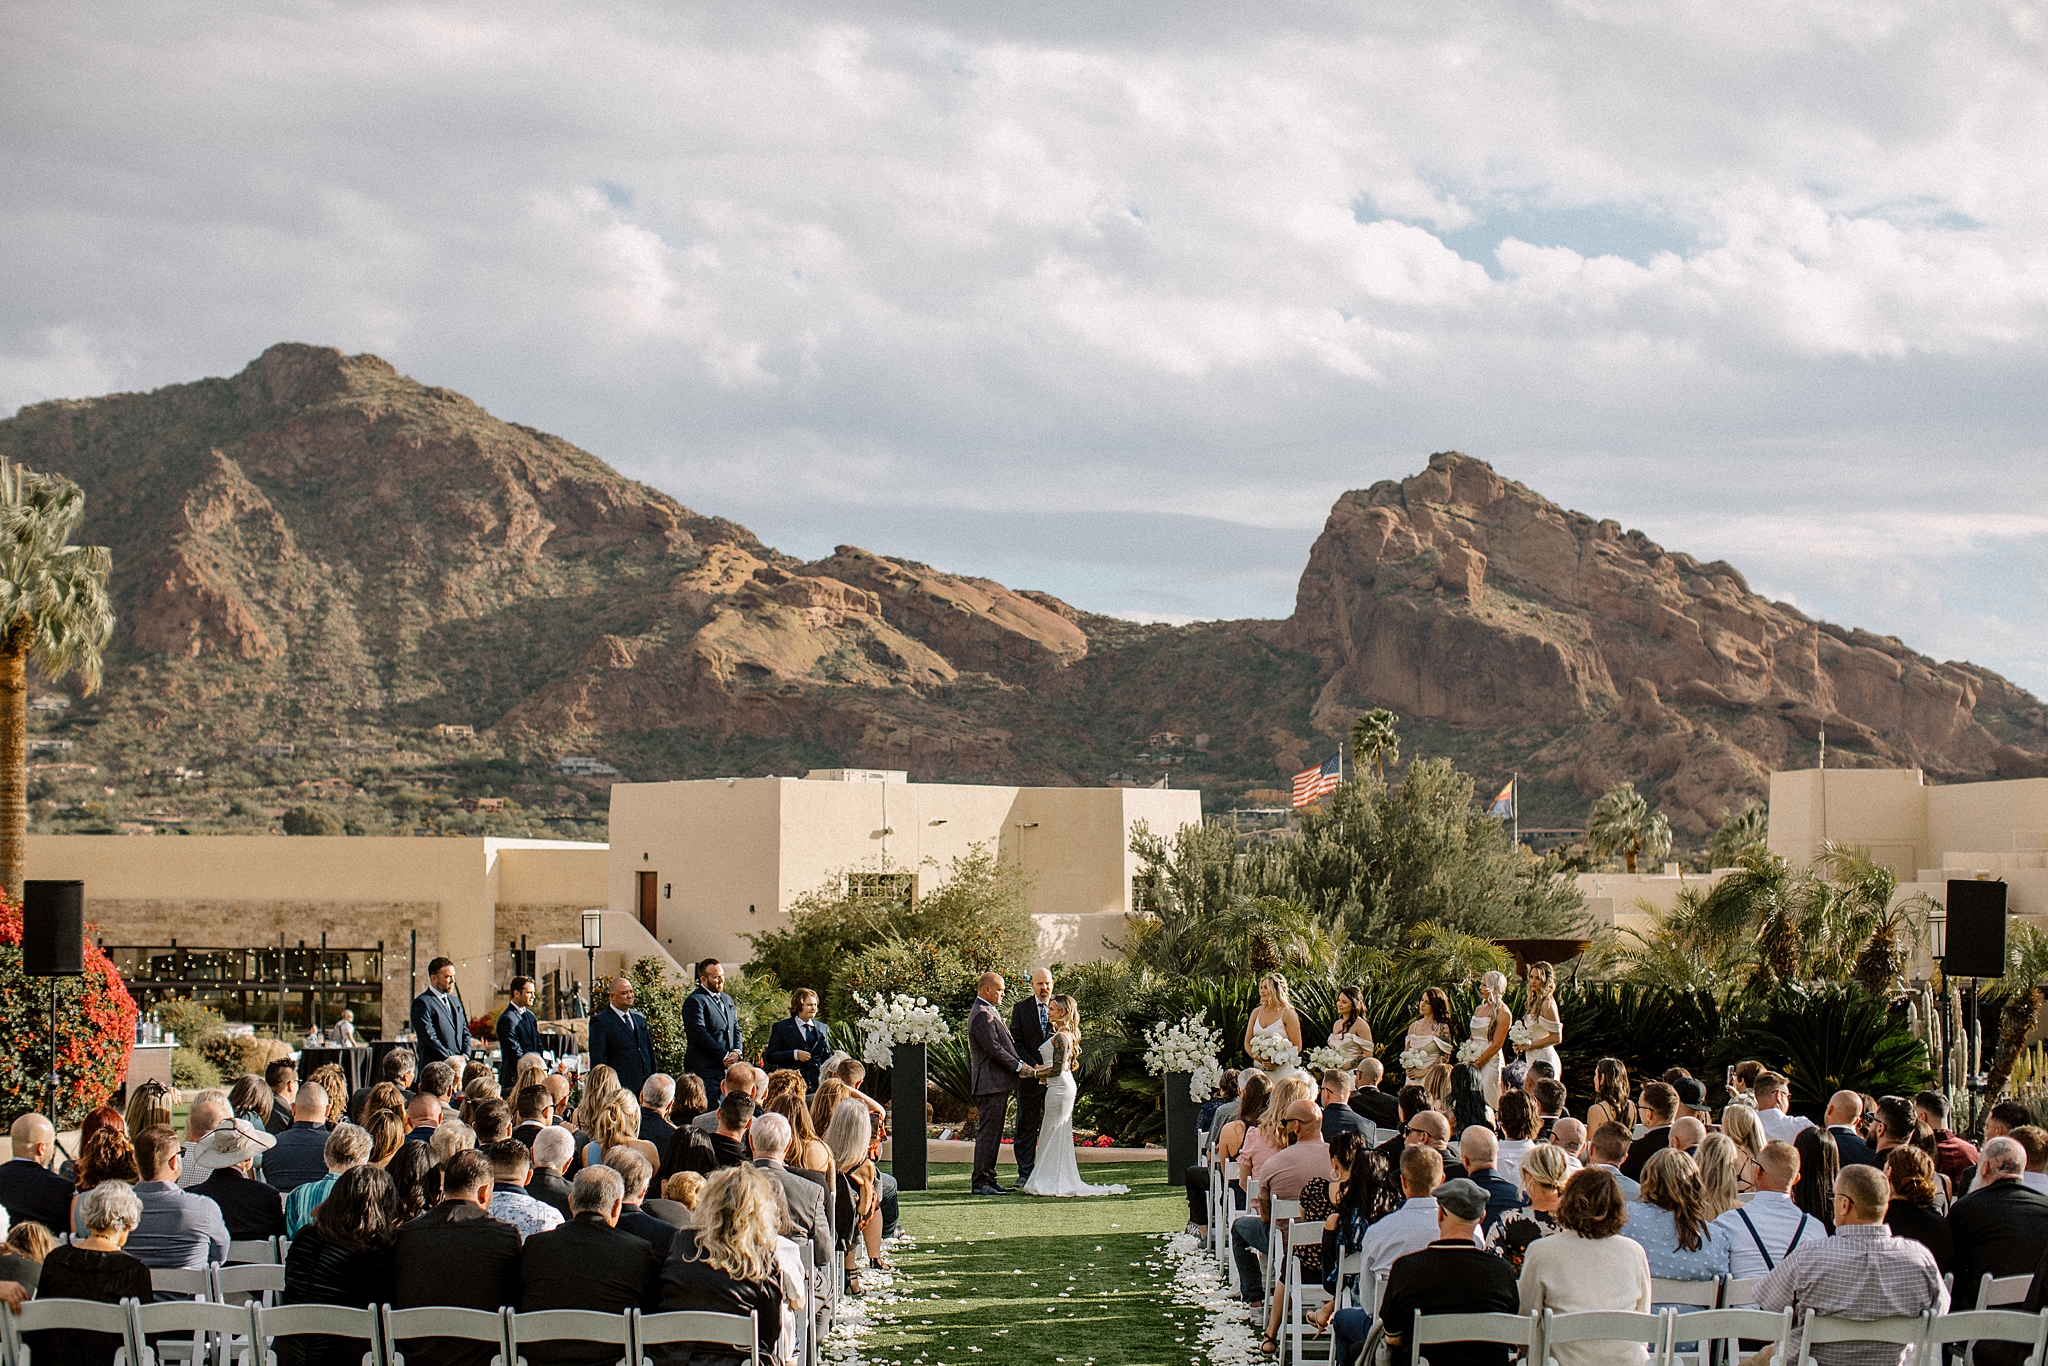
<point>768,1139</point>
<point>993,1070</point>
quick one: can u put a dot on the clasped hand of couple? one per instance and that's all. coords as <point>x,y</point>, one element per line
<point>1028,1073</point>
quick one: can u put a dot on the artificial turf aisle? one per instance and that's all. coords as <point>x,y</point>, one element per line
<point>1017,1281</point>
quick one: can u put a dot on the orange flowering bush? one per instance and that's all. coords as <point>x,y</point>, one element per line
<point>95,1030</point>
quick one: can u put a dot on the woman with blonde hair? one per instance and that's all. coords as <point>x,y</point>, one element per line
<point>1746,1131</point>
<point>1271,1135</point>
<point>387,1136</point>
<point>452,1137</point>
<point>149,1106</point>
<point>1544,1171</point>
<point>599,1086</point>
<point>329,1077</point>
<point>807,1152</point>
<point>861,1208</point>
<point>384,1098</point>
<point>825,1103</point>
<point>785,1079</point>
<point>1491,1022</point>
<point>618,1126</point>
<point>1273,1017</point>
<point>1436,1083</point>
<point>1546,1027</point>
<point>532,1072</point>
<point>726,1263</point>
<point>1058,1172</point>
<point>1669,1219</point>
<point>1724,1167</point>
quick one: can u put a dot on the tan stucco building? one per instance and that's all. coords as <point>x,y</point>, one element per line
<point>702,864</point>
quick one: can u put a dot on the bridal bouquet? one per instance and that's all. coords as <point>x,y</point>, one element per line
<point>1190,1046</point>
<point>898,1019</point>
<point>1419,1059</point>
<point>1470,1050</point>
<point>1273,1051</point>
<point>1325,1060</point>
<point>1520,1035</point>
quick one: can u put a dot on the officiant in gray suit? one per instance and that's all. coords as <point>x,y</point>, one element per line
<point>993,1069</point>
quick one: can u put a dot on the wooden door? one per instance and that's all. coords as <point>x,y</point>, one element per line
<point>649,915</point>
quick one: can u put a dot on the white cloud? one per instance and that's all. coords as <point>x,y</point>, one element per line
<point>1683,266</point>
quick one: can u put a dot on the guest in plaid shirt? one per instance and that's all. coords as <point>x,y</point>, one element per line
<point>1862,1273</point>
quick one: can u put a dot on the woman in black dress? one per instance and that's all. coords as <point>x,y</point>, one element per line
<point>726,1265</point>
<point>1912,1214</point>
<point>342,1257</point>
<point>92,1267</point>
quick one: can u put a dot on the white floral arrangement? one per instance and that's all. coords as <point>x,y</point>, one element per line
<point>1191,1046</point>
<point>1327,1060</point>
<point>1273,1051</point>
<point>1469,1051</point>
<point>898,1019</point>
<point>1420,1059</point>
<point>1520,1035</point>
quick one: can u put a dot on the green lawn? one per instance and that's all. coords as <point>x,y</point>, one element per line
<point>993,1281</point>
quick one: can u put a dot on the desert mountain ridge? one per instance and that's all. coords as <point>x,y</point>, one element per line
<point>322,554</point>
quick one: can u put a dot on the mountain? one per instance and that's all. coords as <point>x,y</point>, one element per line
<point>324,555</point>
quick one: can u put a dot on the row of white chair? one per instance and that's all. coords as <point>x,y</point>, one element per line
<point>249,1333</point>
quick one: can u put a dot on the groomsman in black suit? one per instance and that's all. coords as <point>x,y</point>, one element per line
<point>799,1041</point>
<point>438,1017</point>
<point>619,1038</point>
<point>1030,1027</point>
<point>518,1033</point>
<point>712,1025</point>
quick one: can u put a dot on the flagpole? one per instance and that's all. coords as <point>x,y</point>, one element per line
<point>1515,806</point>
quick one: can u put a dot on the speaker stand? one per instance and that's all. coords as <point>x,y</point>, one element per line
<point>50,1082</point>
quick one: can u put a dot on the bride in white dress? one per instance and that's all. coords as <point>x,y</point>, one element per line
<point>1057,1172</point>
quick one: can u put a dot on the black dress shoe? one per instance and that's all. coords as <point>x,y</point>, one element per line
<point>990,1190</point>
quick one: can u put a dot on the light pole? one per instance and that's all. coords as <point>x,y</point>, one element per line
<point>1022,826</point>
<point>593,940</point>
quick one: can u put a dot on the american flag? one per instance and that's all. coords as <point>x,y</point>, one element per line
<point>1312,784</point>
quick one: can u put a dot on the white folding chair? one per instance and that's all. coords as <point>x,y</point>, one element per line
<point>718,1330</point>
<point>440,1321</point>
<point>253,1251</point>
<point>1284,1213</point>
<point>1904,1330</point>
<point>326,1320</point>
<point>182,1282</point>
<point>238,1284</point>
<point>1521,1330</point>
<point>1996,1292</point>
<point>1697,1294</point>
<point>69,1316</point>
<point>1972,1326</point>
<point>569,1325</point>
<point>207,1328</point>
<point>1737,1292</point>
<point>1730,1326</point>
<point>1302,1294</point>
<point>1607,1325</point>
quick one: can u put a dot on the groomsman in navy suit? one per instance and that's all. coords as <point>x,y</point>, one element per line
<point>712,1023</point>
<point>438,1018</point>
<point>1030,1026</point>
<point>799,1041</point>
<point>619,1038</point>
<point>518,1034</point>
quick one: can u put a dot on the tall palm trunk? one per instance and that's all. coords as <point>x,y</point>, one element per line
<point>14,759</point>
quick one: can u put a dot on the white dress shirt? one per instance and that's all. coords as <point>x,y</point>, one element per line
<point>1780,1127</point>
<point>1776,1219</point>
<point>1410,1228</point>
<point>1509,1161</point>
<point>2035,1181</point>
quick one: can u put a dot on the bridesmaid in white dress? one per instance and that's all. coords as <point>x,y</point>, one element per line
<point>1274,1016</point>
<point>1490,1025</point>
<point>1431,1030</point>
<point>1351,1039</point>
<point>1058,1172</point>
<point>1546,1029</point>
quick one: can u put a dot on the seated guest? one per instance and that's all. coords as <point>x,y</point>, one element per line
<point>387,1136</point>
<point>208,1110</point>
<point>29,1190</point>
<point>726,1265</point>
<point>1588,1265</point>
<point>857,1196</point>
<point>735,1113</point>
<point>93,1267</point>
<point>1863,1272</point>
<point>1549,1097</point>
<point>21,1256</point>
<point>739,1081</point>
<point>250,1208</point>
<point>1568,1136</point>
<point>552,1150</point>
<point>2034,1140</point>
<point>1656,1107</point>
<point>587,1263</point>
<point>423,1113</point>
<point>415,1181</point>
<point>1338,1116</point>
<point>534,1107</point>
<point>1954,1157</point>
<point>343,1257</point>
<point>511,1169</point>
<point>1431,1129</point>
<point>348,1146</point>
<point>1611,1104</point>
<point>1465,1101</point>
<point>768,1140</point>
<point>1448,1276</point>
<point>1814,1192</point>
<point>1544,1176</point>
<point>690,1101</point>
<point>297,1156</point>
<point>103,1155</point>
<point>1744,1130</point>
<point>617,1125</point>
<point>492,1120</point>
<point>2001,1119</point>
<point>2000,1227</point>
<point>452,1136</point>
<point>635,1173</point>
<point>397,1068</point>
<point>1686,1134</point>
<point>1608,1149</point>
<point>1767,1228</point>
<point>384,1098</point>
<point>1911,1213</point>
<point>807,1152</point>
<point>799,1041</point>
<point>1381,1110</point>
<point>657,1097</point>
<point>1413,1225</point>
<point>1300,1157</point>
<point>1671,1223</point>
<point>442,1080</point>
<point>1724,1175</point>
<point>178,1229</point>
<point>684,1189</point>
<point>1844,1109</point>
<point>281,1075</point>
<point>456,1256</point>
<point>1773,1103</point>
<point>1692,1101</point>
<point>1478,1154</point>
<point>1224,1094</point>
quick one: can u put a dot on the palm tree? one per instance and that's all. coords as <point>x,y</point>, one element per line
<point>1622,823</point>
<point>1740,832</point>
<point>1765,898</point>
<point>1375,741</point>
<point>54,607</point>
<point>1870,916</point>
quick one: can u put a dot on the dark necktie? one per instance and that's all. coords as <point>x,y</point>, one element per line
<point>1044,1024</point>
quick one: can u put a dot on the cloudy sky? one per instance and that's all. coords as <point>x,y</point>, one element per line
<point>1108,300</point>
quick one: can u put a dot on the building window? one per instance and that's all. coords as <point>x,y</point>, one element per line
<point>1144,896</point>
<point>898,889</point>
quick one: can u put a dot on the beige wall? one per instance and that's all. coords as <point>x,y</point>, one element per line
<point>732,856</point>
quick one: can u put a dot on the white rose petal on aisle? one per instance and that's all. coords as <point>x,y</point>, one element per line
<point>1191,1046</point>
<point>1273,1051</point>
<point>898,1019</point>
<point>1226,1337</point>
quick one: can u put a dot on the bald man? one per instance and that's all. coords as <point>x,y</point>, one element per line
<point>1030,1027</point>
<point>29,1190</point>
<point>1844,1107</point>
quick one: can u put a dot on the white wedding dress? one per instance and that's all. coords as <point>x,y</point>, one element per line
<point>1278,1029</point>
<point>1057,1172</point>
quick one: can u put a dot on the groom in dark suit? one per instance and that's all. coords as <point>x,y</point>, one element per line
<point>799,1042</point>
<point>993,1070</point>
<point>1030,1027</point>
<point>518,1033</point>
<point>712,1024</point>
<point>619,1038</point>
<point>438,1018</point>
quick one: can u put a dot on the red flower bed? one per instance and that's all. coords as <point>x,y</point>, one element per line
<point>95,1030</point>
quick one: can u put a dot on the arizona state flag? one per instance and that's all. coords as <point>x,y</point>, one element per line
<point>1504,805</point>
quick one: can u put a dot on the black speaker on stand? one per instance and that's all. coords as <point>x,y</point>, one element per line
<point>1975,945</point>
<point>52,946</point>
